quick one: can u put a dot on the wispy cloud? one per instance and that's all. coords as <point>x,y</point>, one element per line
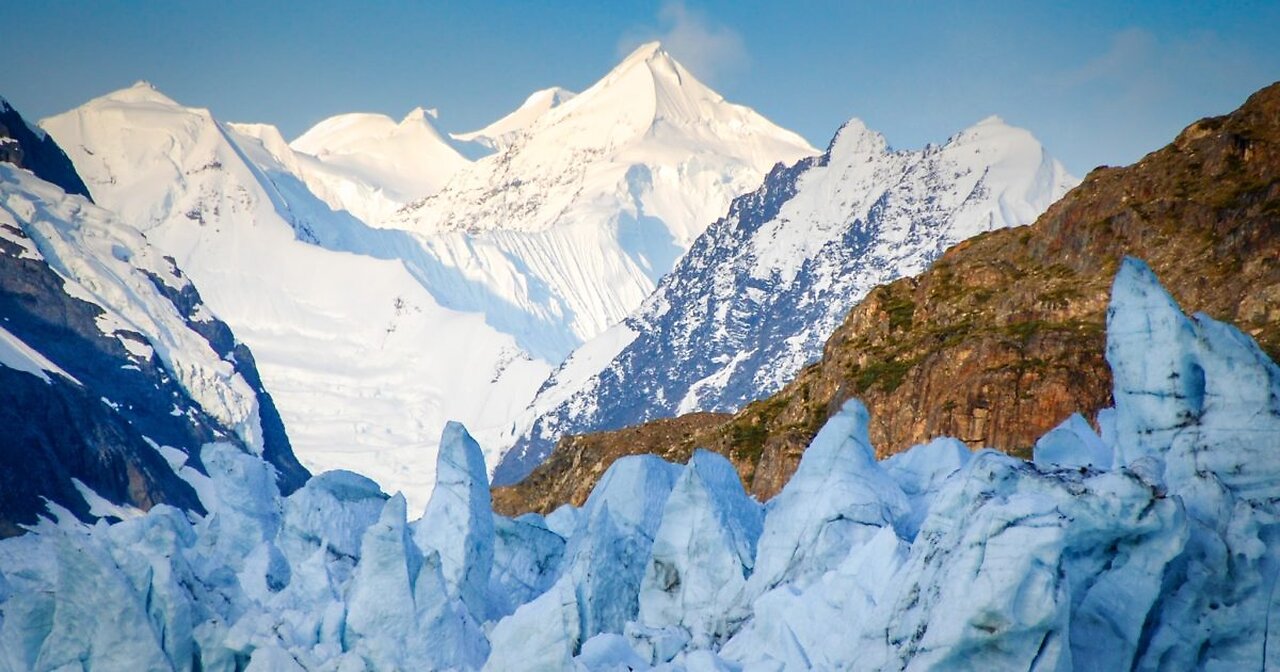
<point>1138,68</point>
<point>709,50</point>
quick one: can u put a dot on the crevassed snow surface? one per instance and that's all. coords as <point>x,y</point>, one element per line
<point>1163,558</point>
<point>761,291</point>
<point>360,357</point>
<point>108,263</point>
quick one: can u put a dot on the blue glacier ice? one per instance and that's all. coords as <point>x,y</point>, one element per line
<point>1073,444</point>
<point>838,499</point>
<point>458,522</point>
<point>1150,543</point>
<point>703,552</point>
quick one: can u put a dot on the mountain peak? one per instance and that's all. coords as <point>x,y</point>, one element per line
<point>855,139</point>
<point>497,134</point>
<point>994,130</point>
<point>421,114</point>
<point>645,52</point>
<point>660,65</point>
<point>140,91</point>
<point>422,120</point>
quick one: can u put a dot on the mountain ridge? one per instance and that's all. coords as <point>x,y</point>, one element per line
<point>372,165</point>
<point>1002,337</point>
<point>143,374</point>
<point>762,288</point>
<point>338,323</point>
<point>498,134</point>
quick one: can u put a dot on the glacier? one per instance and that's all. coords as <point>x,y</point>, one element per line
<point>1152,543</point>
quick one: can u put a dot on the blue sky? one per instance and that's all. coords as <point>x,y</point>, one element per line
<point>1097,82</point>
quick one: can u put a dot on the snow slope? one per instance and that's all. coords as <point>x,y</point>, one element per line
<point>358,327</point>
<point>553,283</point>
<point>113,372</point>
<point>762,289</point>
<point>598,197</point>
<point>370,165</point>
<point>503,132</point>
<point>1162,559</point>
<point>360,357</point>
<point>17,355</point>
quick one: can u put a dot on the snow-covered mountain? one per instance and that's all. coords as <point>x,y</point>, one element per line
<point>1149,545</point>
<point>360,357</point>
<point>113,372</point>
<point>503,132</point>
<point>762,289</point>
<point>597,198</point>
<point>370,165</point>
<point>357,327</point>
<point>27,146</point>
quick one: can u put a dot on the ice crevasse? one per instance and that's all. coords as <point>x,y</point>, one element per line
<point>1152,543</point>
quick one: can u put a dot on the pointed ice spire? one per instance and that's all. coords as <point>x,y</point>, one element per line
<point>703,552</point>
<point>838,499</point>
<point>1194,392</point>
<point>1073,444</point>
<point>458,521</point>
<point>380,606</point>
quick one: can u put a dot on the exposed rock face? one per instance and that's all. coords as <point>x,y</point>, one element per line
<point>98,428</point>
<point>132,373</point>
<point>572,470</point>
<point>764,287</point>
<point>31,148</point>
<point>1003,338</point>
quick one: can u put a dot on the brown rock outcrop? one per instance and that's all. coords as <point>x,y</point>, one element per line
<point>1004,337</point>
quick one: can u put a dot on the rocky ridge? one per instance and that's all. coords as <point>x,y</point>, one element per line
<point>1003,337</point>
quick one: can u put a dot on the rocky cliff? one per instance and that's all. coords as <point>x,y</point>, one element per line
<point>29,147</point>
<point>113,372</point>
<point>1002,338</point>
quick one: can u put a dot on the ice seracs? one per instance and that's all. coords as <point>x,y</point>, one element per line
<point>932,559</point>
<point>1073,444</point>
<point>703,552</point>
<point>458,522</point>
<point>837,500</point>
<point>1198,410</point>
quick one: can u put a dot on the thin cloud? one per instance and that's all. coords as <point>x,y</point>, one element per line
<point>709,50</point>
<point>1140,69</point>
